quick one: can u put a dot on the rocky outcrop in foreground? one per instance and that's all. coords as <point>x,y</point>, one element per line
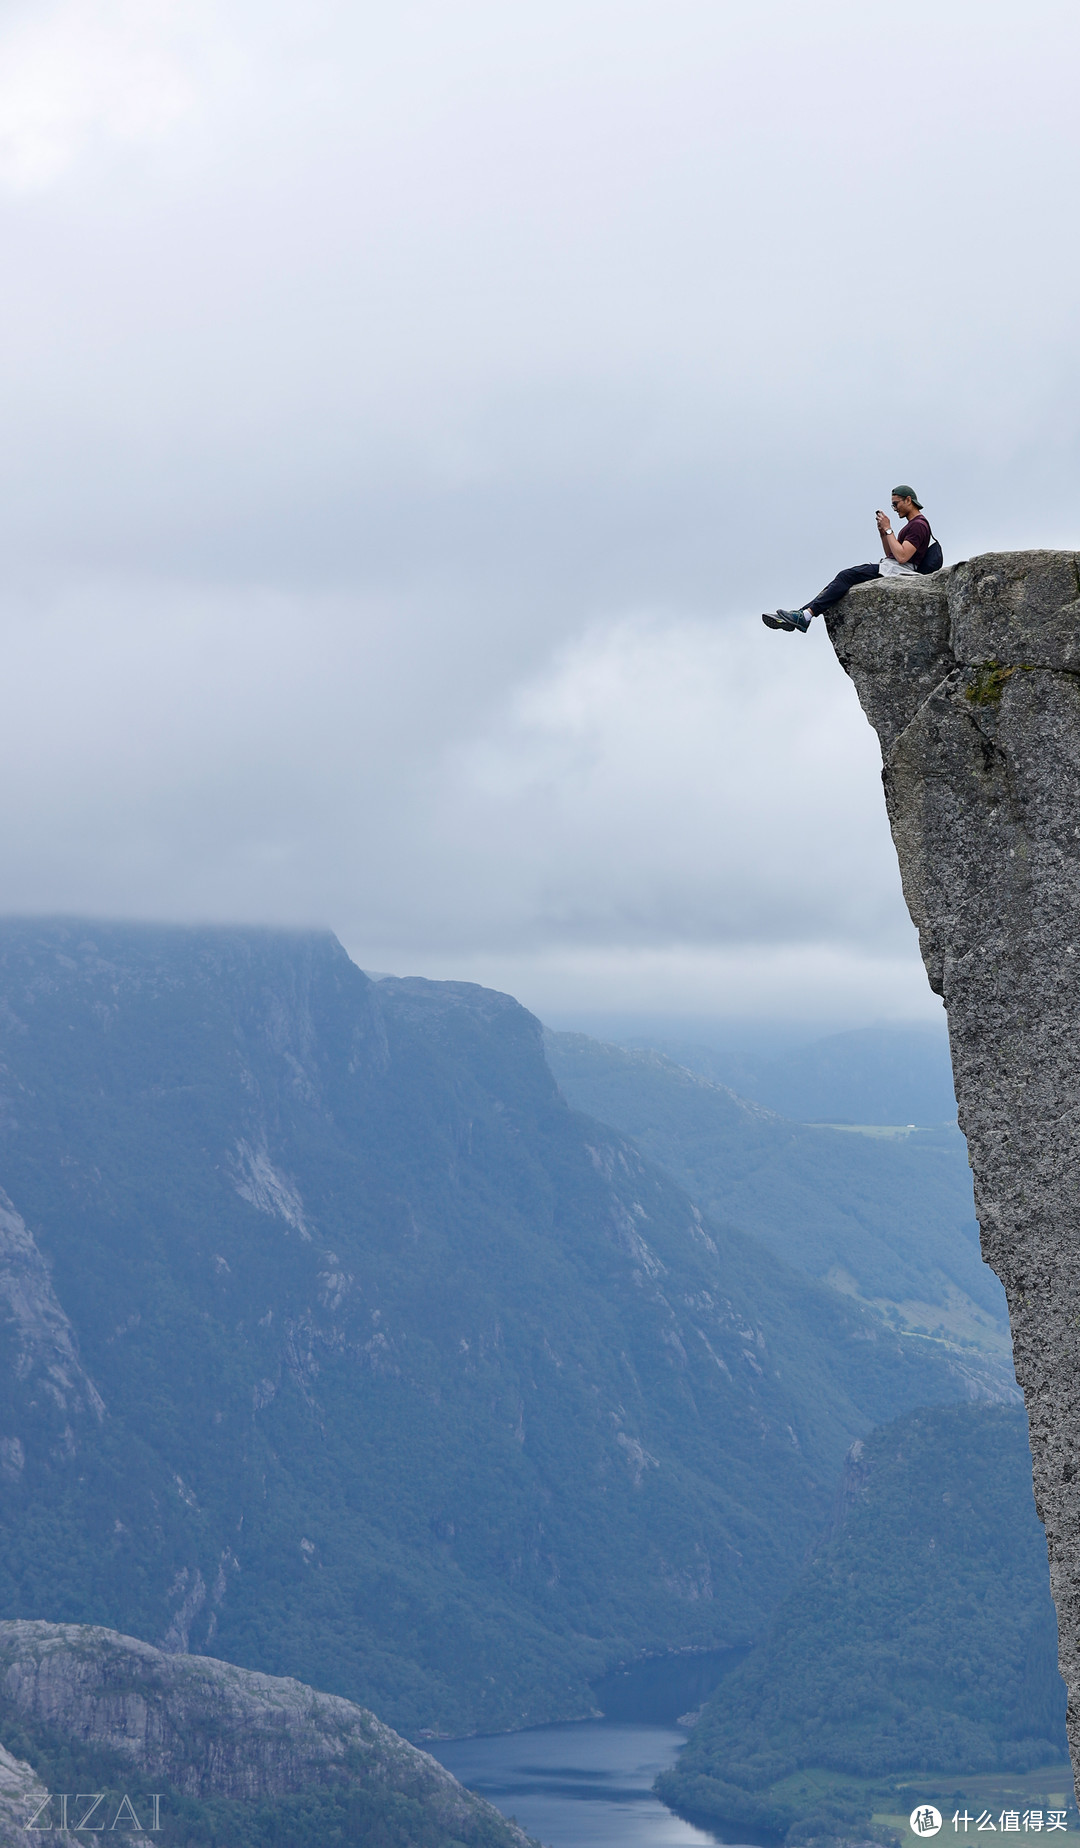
<point>208,1729</point>
<point>971,679</point>
<point>21,1796</point>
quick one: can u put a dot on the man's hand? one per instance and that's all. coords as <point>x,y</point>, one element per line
<point>890,545</point>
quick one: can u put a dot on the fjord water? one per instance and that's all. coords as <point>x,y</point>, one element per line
<point>589,1784</point>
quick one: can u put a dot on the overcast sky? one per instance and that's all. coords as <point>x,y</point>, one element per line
<point>408,412</point>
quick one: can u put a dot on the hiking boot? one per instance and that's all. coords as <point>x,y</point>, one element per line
<point>788,619</point>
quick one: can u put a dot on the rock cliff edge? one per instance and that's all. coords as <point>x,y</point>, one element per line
<point>207,1729</point>
<point>971,679</point>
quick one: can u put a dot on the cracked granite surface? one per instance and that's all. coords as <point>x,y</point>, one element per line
<point>210,1729</point>
<point>971,679</point>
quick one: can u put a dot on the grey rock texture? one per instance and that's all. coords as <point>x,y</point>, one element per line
<point>21,1795</point>
<point>46,1348</point>
<point>971,679</point>
<point>210,1729</point>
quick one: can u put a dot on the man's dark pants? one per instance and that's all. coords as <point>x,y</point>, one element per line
<point>840,585</point>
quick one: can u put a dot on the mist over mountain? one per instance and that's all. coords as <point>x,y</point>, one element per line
<point>884,1075</point>
<point>898,1073</point>
<point>338,1345</point>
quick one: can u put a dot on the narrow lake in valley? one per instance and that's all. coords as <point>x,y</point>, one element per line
<point>589,1784</point>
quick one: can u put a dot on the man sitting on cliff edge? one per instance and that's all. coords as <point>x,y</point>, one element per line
<point>905,553</point>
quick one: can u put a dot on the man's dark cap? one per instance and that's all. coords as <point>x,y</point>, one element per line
<point>903,492</point>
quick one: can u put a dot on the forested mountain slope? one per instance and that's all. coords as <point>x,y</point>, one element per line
<point>920,1639</point>
<point>338,1345</point>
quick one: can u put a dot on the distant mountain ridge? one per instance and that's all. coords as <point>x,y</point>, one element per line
<point>873,1075</point>
<point>891,1073</point>
<point>358,1355</point>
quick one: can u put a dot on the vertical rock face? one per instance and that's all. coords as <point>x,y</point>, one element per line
<point>45,1350</point>
<point>971,679</point>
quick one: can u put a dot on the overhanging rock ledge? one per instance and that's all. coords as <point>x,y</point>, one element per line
<point>971,679</point>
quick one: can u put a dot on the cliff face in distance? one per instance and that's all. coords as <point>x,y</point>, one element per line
<point>888,1218</point>
<point>971,679</point>
<point>335,1344</point>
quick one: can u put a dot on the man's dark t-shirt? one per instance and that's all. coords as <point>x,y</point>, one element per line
<point>917,532</point>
